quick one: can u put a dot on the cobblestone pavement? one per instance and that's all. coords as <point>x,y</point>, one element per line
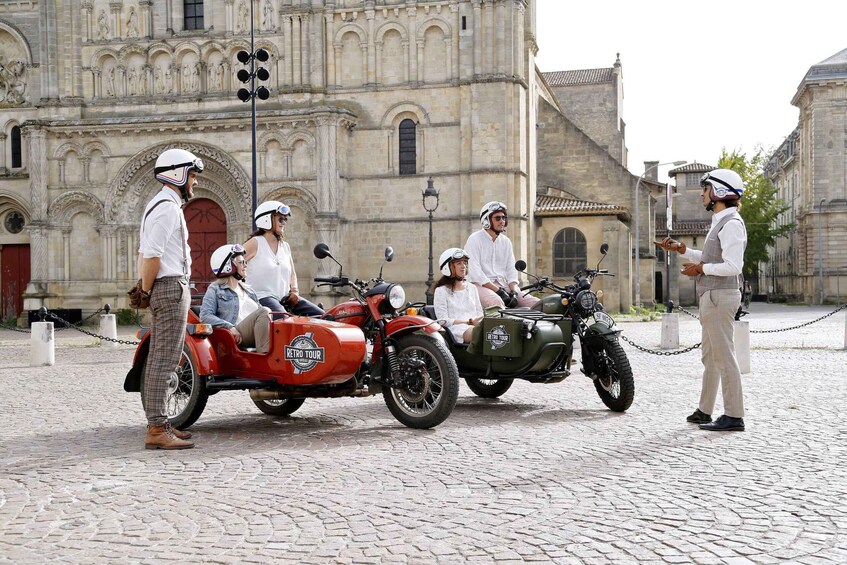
<point>544,474</point>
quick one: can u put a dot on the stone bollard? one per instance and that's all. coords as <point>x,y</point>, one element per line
<point>42,350</point>
<point>742,345</point>
<point>108,328</point>
<point>670,331</point>
<point>845,330</point>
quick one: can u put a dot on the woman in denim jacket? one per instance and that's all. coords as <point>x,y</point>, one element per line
<point>230,302</point>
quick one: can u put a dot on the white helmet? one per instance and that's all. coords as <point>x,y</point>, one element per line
<point>173,166</point>
<point>726,184</point>
<point>448,256</point>
<point>487,210</point>
<point>265,211</point>
<point>221,260</point>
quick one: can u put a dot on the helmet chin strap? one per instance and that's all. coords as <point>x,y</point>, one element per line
<point>237,275</point>
<point>184,193</point>
<point>710,206</point>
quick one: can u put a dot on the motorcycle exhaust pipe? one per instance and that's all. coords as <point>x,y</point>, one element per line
<point>270,394</point>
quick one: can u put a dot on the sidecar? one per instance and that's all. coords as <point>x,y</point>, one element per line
<point>308,357</point>
<point>513,344</point>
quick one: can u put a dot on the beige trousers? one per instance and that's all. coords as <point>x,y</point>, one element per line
<point>717,312</point>
<point>255,330</point>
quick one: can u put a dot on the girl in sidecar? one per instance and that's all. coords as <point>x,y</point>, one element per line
<point>456,300</point>
<point>232,304</point>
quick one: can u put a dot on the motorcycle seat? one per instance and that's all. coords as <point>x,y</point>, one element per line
<point>429,312</point>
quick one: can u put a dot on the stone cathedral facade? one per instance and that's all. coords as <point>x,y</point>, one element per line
<point>369,99</point>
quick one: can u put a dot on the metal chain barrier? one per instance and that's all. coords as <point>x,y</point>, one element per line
<point>839,309</point>
<point>77,327</point>
<point>92,334</point>
<point>683,310</point>
<point>656,351</point>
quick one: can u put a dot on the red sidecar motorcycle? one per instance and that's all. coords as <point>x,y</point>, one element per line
<point>398,355</point>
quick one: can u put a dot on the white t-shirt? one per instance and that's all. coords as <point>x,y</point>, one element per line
<point>457,307</point>
<point>246,306</point>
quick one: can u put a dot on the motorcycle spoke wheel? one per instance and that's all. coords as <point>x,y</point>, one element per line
<point>428,382</point>
<point>614,384</point>
<point>488,388</point>
<point>186,395</point>
<point>282,407</point>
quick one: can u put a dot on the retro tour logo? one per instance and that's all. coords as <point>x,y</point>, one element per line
<point>304,353</point>
<point>498,337</point>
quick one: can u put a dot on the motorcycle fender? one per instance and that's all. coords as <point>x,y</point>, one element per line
<point>202,354</point>
<point>601,330</point>
<point>412,323</point>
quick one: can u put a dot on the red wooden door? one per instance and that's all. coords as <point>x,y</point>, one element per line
<point>14,272</point>
<point>206,232</point>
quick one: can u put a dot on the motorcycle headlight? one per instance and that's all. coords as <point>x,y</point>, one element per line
<point>586,300</point>
<point>396,296</point>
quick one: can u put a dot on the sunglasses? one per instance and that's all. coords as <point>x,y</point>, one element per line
<point>501,218</point>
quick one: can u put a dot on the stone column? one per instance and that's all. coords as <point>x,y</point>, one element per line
<point>337,50</point>
<point>3,137</point>
<point>500,34</point>
<point>371,77</point>
<point>87,9</point>
<point>454,42</point>
<point>66,253</point>
<point>98,83</point>
<point>477,38</point>
<point>305,45</point>
<point>288,63</point>
<point>327,147</point>
<point>414,75</point>
<point>363,45</point>
<point>297,53</point>
<point>117,25</point>
<point>329,49</point>
<point>229,22</point>
<point>145,18</point>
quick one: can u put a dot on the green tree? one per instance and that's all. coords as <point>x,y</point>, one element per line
<point>759,207</point>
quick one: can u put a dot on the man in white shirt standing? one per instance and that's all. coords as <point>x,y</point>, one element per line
<point>164,263</point>
<point>717,269</point>
<point>492,261</point>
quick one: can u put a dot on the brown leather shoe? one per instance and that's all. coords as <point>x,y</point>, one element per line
<point>178,433</point>
<point>160,437</point>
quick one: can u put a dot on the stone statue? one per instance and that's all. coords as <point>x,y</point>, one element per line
<point>110,82</point>
<point>132,81</point>
<point>103,28</point>
<point>169,80</point>
<point>243,16</point>
<point>195,77</point>
<point>157,80</point>
<point>132,23</point>
<point>268,16</point>
<point>216,71</point>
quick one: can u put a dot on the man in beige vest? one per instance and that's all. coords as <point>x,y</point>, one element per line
<point>717,269</point>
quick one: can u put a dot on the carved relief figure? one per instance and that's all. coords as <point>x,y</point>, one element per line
<point>132,81</point>
<point>110,82</point>
<point>12,81</point>
<point>243,17</point>
<point>142,80</point>
<point>186,78</point>
<point>195,77</point>
<point>157,79</point>
<point>216,70</point>
<point>132,23</point>
<point>103,29</point>
<point>169,80</point>
<point>268,16</point>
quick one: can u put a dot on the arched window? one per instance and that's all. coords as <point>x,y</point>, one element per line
<point>569,252</point>
<point>193,14</point>
<point>408,149</point>
<point>17,160</point>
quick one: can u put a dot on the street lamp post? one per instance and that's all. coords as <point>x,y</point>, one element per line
<point>261,92</point>
<point>430,203</point>
<point>638,227</point>
<point>820,249</point>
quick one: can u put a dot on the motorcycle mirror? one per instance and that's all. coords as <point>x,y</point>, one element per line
<point>520,265</point>
<point>389,254</point>
<point>322,251</point>
<point>604,248</point>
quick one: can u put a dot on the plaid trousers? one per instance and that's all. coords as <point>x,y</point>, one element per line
<point>169,302</point>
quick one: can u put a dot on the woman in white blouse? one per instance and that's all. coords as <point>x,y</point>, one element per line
<point>456,300</point>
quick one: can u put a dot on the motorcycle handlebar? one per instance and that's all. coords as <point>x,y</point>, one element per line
<point>334,281</point>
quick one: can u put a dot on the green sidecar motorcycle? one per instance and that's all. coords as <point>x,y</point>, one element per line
<point>536,344</point>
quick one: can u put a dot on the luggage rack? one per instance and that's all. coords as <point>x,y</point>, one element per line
<point>528,314</point>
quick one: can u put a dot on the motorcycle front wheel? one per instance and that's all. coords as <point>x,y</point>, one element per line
<point>615,383</point>
<point>489,388</point>
<point>186,395</point>
<point>284,407</point>
<point>429,382</point>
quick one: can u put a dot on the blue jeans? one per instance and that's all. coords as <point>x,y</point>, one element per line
<point>302,308</point>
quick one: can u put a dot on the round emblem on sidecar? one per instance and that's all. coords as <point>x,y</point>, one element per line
<point>304,353</point>
<point>498,337</point>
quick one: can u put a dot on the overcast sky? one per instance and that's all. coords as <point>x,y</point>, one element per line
<point>697,76</point>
